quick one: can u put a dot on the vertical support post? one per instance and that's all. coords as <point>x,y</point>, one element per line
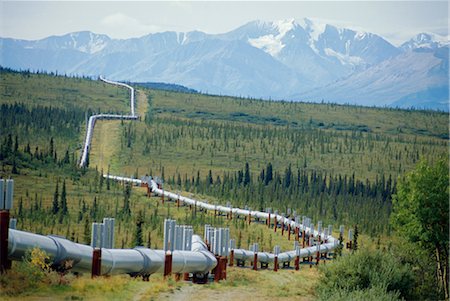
<point>297,263</point>
<point>168,264</point>
<point>275,264</point>
<point>249,218</point>
<point>282,226</point>
<point>232,246</point>
<point>162,197</point>
<point>224,268</point>
<point>218,270</point>
<point>289,231</point>
<point>276,251</point>
<point>303,238</point>
<point>96,262</point>
<point>6,200</point>
<point>268,221</point>
<point>255,256</point>
<point>4,229</point>
<point>275,224</point>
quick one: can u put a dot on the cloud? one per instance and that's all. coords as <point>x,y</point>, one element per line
<point>125,26</point>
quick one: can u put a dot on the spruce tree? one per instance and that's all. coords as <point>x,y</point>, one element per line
<point>138,239</point>
<point>340,246</point>
<point>355,239</point>
<point>87,231</point>
<point>63,207</point>
<point>246,174</point>
<point>55,204</point>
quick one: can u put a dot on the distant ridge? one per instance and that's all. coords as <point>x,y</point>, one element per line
<point>300,60</point>
<point>166,87</point>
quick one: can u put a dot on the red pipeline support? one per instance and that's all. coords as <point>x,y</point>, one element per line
<point>303,238</point>
<point>275,223</point>
<point>5,264</point>
<point>186,276</point>
<point>249,219</point>
<point>224,262</point>
<point>255,262</point>
<point>296,231</point>
<point>96,263</point>
<point>275,264</point>
<point>297,263</point>
<point>178,203</point>
<point>218,270</point>
<point>289,231</point>
<point>168,264</point>
<point>282,228</point>
<point>231,258</point>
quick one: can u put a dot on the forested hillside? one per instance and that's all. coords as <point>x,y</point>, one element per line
<point>338,164</point>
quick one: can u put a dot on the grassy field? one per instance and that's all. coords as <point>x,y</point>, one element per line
<point>241,284</point>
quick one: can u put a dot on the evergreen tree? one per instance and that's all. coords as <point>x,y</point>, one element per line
<point>55,204</point>
<point>94,209</point>
<point>138,237</point>
<point>355,239</point>
<point>64,209</point>
<point>209,180</point>
<point>126,200</point>
<point>269,174</point>
<point>247,174</point>
<point>87,231</point>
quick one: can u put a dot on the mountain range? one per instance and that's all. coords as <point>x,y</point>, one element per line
<point>300,60</point>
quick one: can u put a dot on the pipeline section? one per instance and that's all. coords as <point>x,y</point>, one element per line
<point>329,241</point>
<point>137,261</point>
<point>94,118</point>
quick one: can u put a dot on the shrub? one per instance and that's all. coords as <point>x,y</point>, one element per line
<point>363,273</point>
<point>31,274</point>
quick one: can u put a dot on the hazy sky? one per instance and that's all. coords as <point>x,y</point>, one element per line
<point>395,20</point>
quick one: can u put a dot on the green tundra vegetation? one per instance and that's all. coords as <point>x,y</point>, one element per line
<point>339,164</point>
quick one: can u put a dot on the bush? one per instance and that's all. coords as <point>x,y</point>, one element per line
<point>31,274</point>
<point>363,274</point>
<point>372,294</point>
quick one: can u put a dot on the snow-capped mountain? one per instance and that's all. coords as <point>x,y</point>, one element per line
<point>291,59</point>
<point>425,41</point>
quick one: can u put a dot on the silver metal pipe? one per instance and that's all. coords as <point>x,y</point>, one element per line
<point>138,261</point>
<point>305,225</point>
<point>93,119</point>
